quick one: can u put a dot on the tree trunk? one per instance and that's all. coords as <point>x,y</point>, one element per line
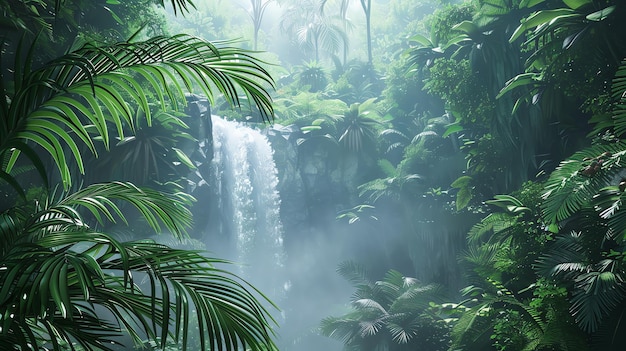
<point>367,8</point>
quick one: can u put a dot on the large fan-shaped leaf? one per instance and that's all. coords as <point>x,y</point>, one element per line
<point>98,86</point>
<point>384,313</point>
<point>57,272</point>
<point>576,180</point>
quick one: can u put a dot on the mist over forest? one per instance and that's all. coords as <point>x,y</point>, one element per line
<point>373,175</point>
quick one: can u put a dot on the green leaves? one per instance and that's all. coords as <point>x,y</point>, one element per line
<point>464,195</point>
<point>618,93</point>
<point>598,286</point>
<point>386,313</point>
<point>578,179</point>
<point>538,19</point>
<point>170,209</point>
<point>58,272</point>
<point>56,262</point>
<point>360,123</point>
<point>600,15</point>
<point>575,4</point>
<point>74,99</point>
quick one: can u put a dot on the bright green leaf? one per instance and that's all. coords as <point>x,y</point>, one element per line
<point>575,4</point>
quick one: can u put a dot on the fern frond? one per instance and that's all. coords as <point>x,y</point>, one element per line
<point>354,272</point>
<point>566,336</point>
<point>483,255</point>
<point>493,223</point>
<point>564,256</point>
<point>575,181</point>
<point>474,327</point>
<point>618,93</point>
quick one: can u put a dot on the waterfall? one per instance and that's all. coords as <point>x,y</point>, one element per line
<point>247,204</point>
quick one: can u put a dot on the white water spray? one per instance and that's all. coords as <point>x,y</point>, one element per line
<point>245,178</point>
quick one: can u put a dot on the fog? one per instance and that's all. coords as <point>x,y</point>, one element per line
<point>295,261</point>
<point>385,175</point>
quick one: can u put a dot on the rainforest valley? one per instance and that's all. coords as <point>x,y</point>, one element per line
<point>373,175</point>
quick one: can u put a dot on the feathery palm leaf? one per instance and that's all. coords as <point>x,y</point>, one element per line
<point>57,272</point>
<point>384,313</point>
<point>82,95</point>
<point>576,180</point>
<point>614,122</point>
<point>598,286</point>
<point>360,126</point>
<point>354,272</point>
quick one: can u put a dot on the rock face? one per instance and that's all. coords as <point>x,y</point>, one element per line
<point>314,182</point>
<point>293,194</point>
<point>201,153</point>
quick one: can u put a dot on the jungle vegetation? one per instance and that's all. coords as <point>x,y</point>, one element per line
<point>68,282</point>
<point>486,133</point>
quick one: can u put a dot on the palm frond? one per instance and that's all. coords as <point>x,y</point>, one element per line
<point>354,272</point>
<point>417,298</point>
<point>341,328</point>
<point>424,134</point>
<point>370,328</point>
<point>74,98</point>
<point>57,269</point>
<point>229,314</point>
<point>564,256</point>
<point>618,93</point>
<point>403,333</point>
<point>393,282</point>
<point>597,295</point>
<point>598,287</point>
<point>576,180</point>
<point>609,203</point>
<point>370,305</point>
<point>495,222</point>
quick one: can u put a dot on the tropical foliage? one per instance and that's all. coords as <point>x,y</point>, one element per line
<point>60,275</point>
<point>66,282</point>
<point>487,133</point>
<point>533,101</point>
<point>393,314</point>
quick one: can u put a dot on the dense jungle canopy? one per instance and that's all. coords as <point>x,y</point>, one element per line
<point>465,156</point>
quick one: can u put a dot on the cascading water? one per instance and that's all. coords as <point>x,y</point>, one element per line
<point>247,204</point>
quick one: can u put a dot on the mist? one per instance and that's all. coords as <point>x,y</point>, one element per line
<point>384,175</point>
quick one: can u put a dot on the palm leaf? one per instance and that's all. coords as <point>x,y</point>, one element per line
<point>403,333</point>
<point>598,286</point>
<point>564,257</point>
<point>354,272</point>
<point>91,86</point>
<point>618,93</point>
<point>597,294</point>
<point>570,187</point>
<point>57,270</point>
<point>344,328</point>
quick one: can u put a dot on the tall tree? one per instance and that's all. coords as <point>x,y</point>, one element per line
<point>256,13</point>
<point>312,30</point>
<point>366,5</point>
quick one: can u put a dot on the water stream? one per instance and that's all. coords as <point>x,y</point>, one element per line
<point>248,204</point>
